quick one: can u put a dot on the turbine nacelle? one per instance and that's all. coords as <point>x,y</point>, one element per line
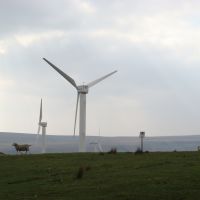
<point>82,89</point>
<point>43,124</point>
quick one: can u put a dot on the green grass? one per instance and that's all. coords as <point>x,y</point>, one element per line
<point>124,176</point>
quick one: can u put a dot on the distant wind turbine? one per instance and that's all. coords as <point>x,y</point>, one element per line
<point>97,145</point>
<point>43,125</point>
<point>82,90</point>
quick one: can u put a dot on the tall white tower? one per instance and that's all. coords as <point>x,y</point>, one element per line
<point>43,125</point>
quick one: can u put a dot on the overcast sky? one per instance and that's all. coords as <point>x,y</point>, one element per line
<point>154,45</point>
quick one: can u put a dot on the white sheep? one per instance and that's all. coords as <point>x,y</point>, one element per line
<point>21,147</point>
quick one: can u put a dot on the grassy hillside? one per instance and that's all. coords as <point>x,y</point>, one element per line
<point>155,176</point>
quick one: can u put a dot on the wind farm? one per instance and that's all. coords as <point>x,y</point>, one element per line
<point>128,68</point>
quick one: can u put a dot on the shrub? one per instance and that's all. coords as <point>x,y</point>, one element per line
<point>87,168</point>
<point>113,151</point>
<point>80,173</point>
<point>138,151</point>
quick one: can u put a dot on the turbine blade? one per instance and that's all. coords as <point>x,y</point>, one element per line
<point>100,147</point>
<point>100,79</point>
<point>38,131</point>
<point>62,73</point>
<point>40,117</point>
<point>37,137</point>
<point>76,113</point>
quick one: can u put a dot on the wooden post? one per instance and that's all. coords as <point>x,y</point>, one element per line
<point>142,135</point>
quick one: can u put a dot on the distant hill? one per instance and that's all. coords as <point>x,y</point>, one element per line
<point>58,143</point>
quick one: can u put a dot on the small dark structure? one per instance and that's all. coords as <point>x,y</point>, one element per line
<point>113,151</point>
<point>142,135</point>
<point>21,147</point>
<point>138,151</point>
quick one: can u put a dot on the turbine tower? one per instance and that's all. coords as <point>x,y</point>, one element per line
<point>43,125</point>
<point>82,90</point>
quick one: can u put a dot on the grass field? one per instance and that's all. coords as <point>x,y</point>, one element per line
<point>149,176</point>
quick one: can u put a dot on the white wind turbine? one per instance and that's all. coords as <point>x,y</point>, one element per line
<point>82,90</point>
<point>97,145</point>
<point>43,125</point>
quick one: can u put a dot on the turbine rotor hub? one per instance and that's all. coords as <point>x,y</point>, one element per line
<point>82,89</point>
<point>43,124</point>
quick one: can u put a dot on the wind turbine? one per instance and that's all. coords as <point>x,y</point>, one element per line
<point>82,90</point>
<point>97,145</point>
<point>43,125</point>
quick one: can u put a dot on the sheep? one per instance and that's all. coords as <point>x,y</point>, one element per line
<point>21,147</point>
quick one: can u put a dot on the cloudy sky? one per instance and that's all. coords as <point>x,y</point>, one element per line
<point>154,45</point>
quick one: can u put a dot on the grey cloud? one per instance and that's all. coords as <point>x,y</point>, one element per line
<point>157,84</point>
